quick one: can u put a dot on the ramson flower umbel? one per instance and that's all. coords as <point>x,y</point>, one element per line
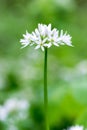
<point>45,36</point>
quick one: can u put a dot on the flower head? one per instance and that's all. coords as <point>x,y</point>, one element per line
<point>45,36</point>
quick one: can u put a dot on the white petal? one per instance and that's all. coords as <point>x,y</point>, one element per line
<point>22,40</point>
<point>49,26</point>
<point>32,44</point>
<point>56,44</point>
<point>44,40</point>
<point>27,35</point>
<point>37,32</point>
<point>27,32</point>
<point>37,47</point>
<point>42,48</point>
<point>24,46</point>
<point>48,45</point>
<point>61,33</point>
<point>40,27</point>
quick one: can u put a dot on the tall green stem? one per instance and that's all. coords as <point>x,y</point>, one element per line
<point>45,91</point>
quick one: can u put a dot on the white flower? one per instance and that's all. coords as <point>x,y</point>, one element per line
<point>77,127</point>
<point>44,30</point>
<point>3,113</point>
<point>27,39</point>
<point>12,127</point>
<point>15,104</point>
<point>53,38</point>
<point>45,36</point>
<point>41,44</point>
<point>20,106</point>
<point>43,33</point>
<point>64,39</point>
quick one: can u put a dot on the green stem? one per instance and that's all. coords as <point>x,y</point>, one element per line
<point>45,91</point>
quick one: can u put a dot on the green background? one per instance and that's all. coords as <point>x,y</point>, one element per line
<point>21,70</point>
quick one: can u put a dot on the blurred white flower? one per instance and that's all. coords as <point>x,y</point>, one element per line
<point>11,105</point>
<point>82,68</point>
<point>44,36</point>
<point>3,113</point>
<point>77,127</point>
<point>65,4</point>
<point>15,104</point>
<point>12,127</point>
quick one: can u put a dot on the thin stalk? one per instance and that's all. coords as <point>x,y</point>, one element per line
<point>45,91</point>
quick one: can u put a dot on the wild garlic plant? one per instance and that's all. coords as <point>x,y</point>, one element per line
<point>43,38</point>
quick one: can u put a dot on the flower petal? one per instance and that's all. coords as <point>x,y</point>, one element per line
<point>42,48</point>
<point>37,47</point>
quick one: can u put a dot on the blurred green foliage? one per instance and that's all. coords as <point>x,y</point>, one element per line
<point>21,71</point>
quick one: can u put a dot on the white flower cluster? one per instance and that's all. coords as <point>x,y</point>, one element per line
<point>45,36</point>
<point>77,127</point>
<point>13,105</point>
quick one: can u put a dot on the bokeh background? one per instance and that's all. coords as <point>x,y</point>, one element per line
<point>21,70</point>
